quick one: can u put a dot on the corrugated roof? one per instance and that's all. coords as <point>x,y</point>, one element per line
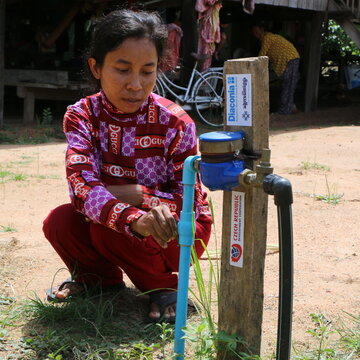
<point>318,5</point>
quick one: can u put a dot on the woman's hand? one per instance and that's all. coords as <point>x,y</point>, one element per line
<point>159,223</point>
<point>129,193</point>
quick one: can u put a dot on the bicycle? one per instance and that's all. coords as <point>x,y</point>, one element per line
<point>204,93</point>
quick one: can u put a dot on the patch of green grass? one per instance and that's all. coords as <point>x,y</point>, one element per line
<point>331,342</point>
<point>10,313</point>
<point>19,177</point>
<point>6,138</point>
<point>45,177</point>
<point>111,327</point>
<point>350,335</point>
<point>8,228</point>
<point>36,134</point>
<point>105,326</point>
<point>26,160</point>
<point>308,165</point>
<point>4,174</point>
<point>330,198</point>
<point>108,327</point>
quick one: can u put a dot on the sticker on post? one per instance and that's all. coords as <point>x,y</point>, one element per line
<point>238,100</point>
<point>237,229</point>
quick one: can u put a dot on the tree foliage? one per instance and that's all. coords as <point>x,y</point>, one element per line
<point>336,42</point>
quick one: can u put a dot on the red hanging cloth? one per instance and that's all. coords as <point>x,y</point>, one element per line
<point>209,28</point>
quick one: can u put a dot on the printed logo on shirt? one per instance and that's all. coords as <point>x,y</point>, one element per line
<point>92,130</point>
<point>176,109</point>
<point>114,215</point>
<point>149,142</point>
<point>79,186</point>
<point>118,171</point>
<point>151,201</point>
<point>77,159</point>
<point>178,166</point>
<point>114,138</point>
<point>152,114</point>
<point>174,145</point>
<point>204,209</point>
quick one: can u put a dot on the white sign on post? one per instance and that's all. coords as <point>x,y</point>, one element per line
<point>238,100</point>
<point>237,229</point>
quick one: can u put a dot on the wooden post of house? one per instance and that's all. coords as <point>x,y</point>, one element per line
<point>313,61</point>
<point>2,60</point>
<point>241,288</point>
<point>189,39</point>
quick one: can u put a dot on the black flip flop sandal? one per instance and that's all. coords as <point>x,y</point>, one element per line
<point>50,296</point>
<point>93,290</point>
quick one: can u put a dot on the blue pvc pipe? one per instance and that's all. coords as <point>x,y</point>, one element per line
<point>186,229</point>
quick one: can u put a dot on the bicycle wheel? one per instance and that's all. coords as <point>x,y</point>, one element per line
<point>159,89</point>
<point>208,96</point>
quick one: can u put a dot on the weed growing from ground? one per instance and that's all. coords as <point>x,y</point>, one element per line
<point>322,332</point>
<point>331,197</point>
<point>308,165</point>
<point>4,174</point>
<point>350,335</point>
<point>47,118</point>
<point>8,228</point>
<point>11,314</point>
<point>19,177</point>
<point>332,342</point>
<point>25,160</point>
<point>47,177</point>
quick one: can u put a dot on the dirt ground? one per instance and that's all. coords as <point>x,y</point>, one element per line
<point>316,152</point>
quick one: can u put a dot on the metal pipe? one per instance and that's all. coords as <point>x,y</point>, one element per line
<point>186,229</point>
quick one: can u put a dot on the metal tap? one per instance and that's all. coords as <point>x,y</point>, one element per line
<point>250,177</point>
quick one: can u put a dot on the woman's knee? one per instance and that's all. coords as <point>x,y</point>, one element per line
<point>60,219</point>
<point>202,236</point>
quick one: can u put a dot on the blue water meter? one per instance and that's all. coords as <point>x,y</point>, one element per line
<point>220,164</point>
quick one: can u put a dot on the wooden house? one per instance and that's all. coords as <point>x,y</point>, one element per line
<point>38,71</point>
<point>304,19</point>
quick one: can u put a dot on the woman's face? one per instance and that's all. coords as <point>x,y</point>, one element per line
<point>257,31</point>
<point>128,73</point>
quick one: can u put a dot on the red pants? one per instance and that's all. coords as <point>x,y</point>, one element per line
<point>95,254</point>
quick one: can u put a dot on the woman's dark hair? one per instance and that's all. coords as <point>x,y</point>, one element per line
<point>116,27</point>
<point>260,23</point>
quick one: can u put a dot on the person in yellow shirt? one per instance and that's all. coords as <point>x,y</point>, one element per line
<point>285,61</point>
